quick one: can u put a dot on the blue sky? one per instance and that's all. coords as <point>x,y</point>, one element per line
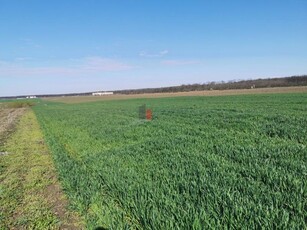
<point>78,46</point>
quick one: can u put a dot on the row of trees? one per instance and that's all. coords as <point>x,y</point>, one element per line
<point>243,84</point>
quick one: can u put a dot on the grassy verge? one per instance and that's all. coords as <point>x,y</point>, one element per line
<point>30,196</point>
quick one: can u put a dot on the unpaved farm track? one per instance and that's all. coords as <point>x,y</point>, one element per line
<point>8,119</point>
<point>30,193</point>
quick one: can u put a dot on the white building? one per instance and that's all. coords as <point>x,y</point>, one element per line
<point>31,96</point>
<point>102,93</point>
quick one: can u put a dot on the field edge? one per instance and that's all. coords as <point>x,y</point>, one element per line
<point>31,195</point>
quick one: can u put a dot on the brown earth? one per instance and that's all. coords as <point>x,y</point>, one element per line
<point>8,119</point>
<point>59,203</point>
<point>80,99</point>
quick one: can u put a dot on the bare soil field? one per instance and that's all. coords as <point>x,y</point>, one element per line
<point>80,99</point>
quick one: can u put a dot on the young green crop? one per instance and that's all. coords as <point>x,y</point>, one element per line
<point>202,162</point>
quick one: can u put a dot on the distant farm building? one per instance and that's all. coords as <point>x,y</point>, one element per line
<point>31,96</point>
<point>102,93</point>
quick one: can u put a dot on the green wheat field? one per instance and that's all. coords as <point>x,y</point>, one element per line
<point>237,162</point>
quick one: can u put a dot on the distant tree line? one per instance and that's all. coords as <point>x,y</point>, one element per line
<point>243,84</point>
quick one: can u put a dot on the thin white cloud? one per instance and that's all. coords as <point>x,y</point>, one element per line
<point>164,52</point>
<point>179,62</point>
<point>89,65</point>
<point>103,64</point>
<point>28,42</point>
<point>3,63</point>
<point>26,39</point>
<point>152,55</point>
<point>22,59</point>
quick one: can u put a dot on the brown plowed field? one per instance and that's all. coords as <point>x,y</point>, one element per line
<point>79,99</point>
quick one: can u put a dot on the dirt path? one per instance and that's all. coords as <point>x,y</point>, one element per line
<point>30,194</point>
<point>8,119</point>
